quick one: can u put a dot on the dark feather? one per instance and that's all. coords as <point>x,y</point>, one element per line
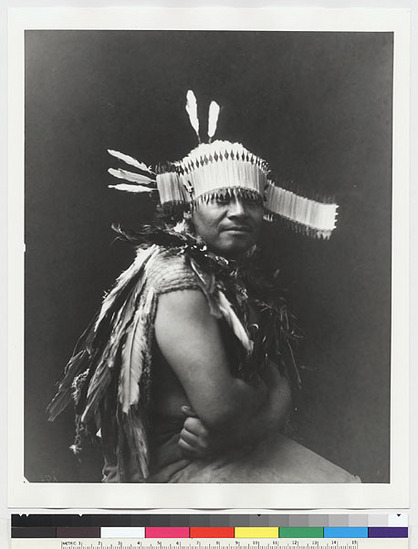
<point>119,316</point>
<point>97,388</point>
<point>62,399</point>
<point>136,438</point>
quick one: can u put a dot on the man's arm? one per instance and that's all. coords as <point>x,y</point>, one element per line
<point>189,338</point>
<point>274,412</point>
<point>196,441</point>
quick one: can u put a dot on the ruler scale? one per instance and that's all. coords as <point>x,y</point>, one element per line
<point>361,543</point>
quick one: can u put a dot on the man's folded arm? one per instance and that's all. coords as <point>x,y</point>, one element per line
<point>197,441</point>
<point>274,411</point>
<point>189,338</point>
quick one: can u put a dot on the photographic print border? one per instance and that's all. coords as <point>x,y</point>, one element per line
<point>393,494</point>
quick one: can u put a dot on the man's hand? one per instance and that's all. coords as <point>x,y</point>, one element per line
<point>195,440</point>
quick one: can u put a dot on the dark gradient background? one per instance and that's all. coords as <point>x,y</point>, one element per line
<point>317,106</point>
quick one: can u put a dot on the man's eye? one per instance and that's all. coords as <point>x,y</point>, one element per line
<point>250,203</point>
<point>222,200</point>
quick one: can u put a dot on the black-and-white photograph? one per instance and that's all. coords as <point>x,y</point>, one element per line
<point>208,252</point>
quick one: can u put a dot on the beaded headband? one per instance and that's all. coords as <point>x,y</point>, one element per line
<point>222,169</point>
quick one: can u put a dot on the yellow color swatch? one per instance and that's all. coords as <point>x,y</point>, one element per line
<point>256,532</point>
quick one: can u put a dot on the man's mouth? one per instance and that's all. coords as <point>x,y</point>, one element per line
<point>238,229</point>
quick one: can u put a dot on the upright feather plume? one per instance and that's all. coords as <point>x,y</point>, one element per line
<point>214,110</point>
<point>191,108</point>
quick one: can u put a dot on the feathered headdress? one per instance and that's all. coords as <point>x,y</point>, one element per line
<point>221,169</point>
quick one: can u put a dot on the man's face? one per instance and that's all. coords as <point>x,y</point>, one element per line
<point>229,226</point>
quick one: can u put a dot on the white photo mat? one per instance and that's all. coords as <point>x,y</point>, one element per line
<point>56,495</point>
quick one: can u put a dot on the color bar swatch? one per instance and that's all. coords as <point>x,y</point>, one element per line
<point>301,532</point>
<point>212,532</point>
<point>256,532</point>
<point>167,532</point>
<point>349,532</point>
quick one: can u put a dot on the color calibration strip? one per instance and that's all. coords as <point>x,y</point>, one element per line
<point>183,527</point>
<point>296,520</point>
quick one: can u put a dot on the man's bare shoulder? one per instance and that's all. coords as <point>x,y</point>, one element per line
<point>185,305</point>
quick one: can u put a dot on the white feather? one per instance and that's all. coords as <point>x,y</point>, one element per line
<point>214,110</point>
<point>230,316</point>
<point>130,188</point>
<point>130,176</point>
<point>191,108</point>
<point>143,256</point>
<point>133,353</point>
<point>130,160</point>
<point>140,440</point>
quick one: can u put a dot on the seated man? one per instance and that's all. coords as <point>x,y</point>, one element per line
<point>193,367</point>
<point>186,372</point>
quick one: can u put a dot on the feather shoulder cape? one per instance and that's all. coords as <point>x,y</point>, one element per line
<point>109,376</point>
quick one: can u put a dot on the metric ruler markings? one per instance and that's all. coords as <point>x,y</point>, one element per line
<point>361,543</point>
<point>288,545</point>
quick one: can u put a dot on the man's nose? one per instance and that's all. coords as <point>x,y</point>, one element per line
<point>237,208</point>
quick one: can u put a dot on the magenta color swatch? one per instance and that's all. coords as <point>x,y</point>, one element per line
<point>160,532</point>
